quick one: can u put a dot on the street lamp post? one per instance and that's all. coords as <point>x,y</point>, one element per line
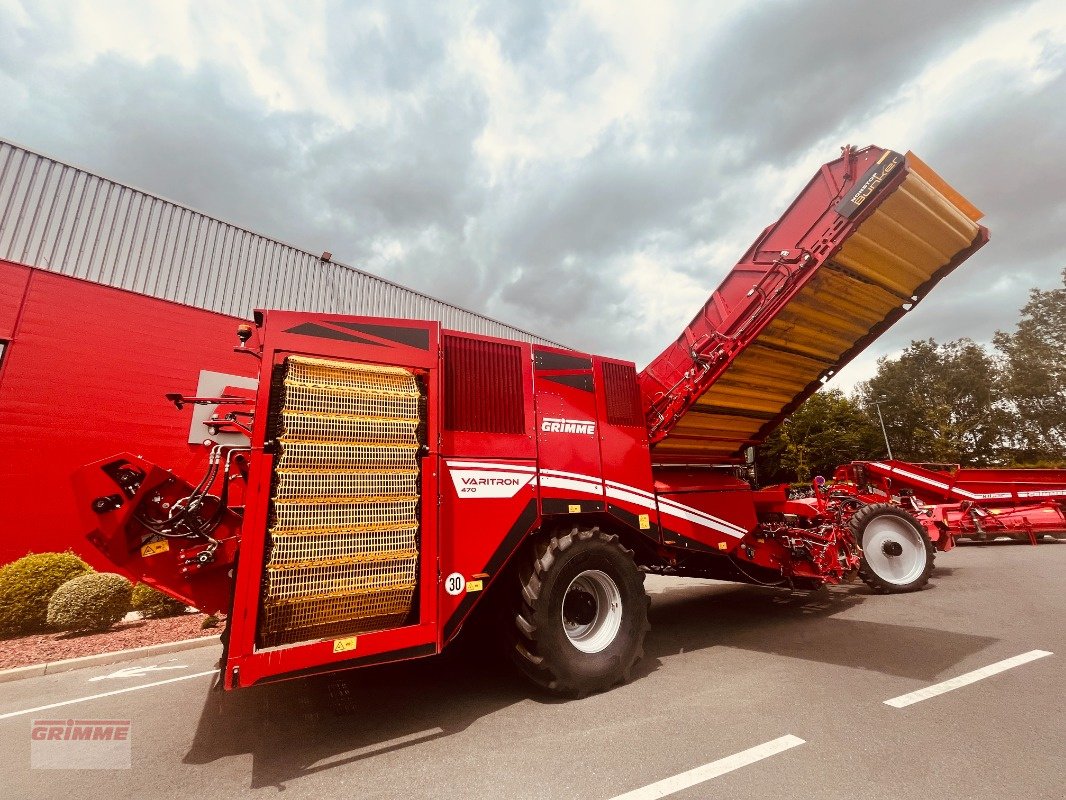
<point>877,404</point>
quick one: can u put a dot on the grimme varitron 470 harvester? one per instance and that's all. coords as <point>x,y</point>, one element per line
<point>398,474</point>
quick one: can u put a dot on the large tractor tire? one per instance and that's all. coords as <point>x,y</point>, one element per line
<point>897,555</point>
<point>582,613</point>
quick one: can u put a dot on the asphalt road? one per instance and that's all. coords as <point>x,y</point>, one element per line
<point>728,668</point>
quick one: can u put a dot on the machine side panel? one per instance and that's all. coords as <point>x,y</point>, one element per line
<point>568,447</point>
<point>624,447</point>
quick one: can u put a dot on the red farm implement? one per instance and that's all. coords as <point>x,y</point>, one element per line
<point>398,474</point>
<point>955,502</point>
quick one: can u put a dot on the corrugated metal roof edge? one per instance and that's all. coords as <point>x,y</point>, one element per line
<point>341,264</point>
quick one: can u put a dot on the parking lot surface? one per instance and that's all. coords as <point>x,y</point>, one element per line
<point>744,692</point>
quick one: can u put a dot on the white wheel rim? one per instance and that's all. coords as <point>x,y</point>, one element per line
<point>883,537</point>
<point>592,624</point>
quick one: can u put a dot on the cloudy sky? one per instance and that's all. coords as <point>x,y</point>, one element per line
<point>588,171</point>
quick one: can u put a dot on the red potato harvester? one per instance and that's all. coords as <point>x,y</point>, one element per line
<point>954,502</point>
<point>398,474</point>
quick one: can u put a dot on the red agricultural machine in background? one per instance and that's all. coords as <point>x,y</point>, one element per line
<point>954,502</point>
<point>398,474</point>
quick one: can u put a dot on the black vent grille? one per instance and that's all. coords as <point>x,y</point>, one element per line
<point>621,394</point>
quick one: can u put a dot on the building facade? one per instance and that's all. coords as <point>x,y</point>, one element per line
<point>111,297</point>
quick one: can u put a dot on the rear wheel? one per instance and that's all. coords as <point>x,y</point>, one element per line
<point>897,554</point>
<point>582,614</point>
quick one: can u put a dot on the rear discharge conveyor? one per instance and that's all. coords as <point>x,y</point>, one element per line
<point>398,476</point>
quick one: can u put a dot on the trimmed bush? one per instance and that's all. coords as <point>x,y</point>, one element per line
<point>153,604</point>
<point>27,585</point>
<point>91,602</point>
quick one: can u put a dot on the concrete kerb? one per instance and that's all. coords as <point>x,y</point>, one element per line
<point>103,659</point>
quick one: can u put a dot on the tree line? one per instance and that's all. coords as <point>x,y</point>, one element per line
<point>948,402</point>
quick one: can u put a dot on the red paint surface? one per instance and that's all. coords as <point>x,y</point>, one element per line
<point>83,377</point>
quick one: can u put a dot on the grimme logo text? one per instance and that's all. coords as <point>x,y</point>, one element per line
<point>551,425</point>
<point>84,730</point>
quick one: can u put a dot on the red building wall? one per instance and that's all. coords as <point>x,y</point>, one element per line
<point>82,376</point>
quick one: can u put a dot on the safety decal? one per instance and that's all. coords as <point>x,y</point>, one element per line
<point>474,586</point>
<point>155,548</point>
<point>344,645</point>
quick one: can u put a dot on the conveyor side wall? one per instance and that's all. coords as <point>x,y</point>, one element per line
<point>865,240</point>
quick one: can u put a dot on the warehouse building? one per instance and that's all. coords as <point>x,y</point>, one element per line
<point>110,297</point>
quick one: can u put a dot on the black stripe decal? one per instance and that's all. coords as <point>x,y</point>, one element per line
<point>555,505</point>
<point>514,536</point>
<point>322,332</point>
<point>412,337</point>
<point>543,359</point>
<point>582,382</point>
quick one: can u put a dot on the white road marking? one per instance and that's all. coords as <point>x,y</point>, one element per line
<point>137,672</point>
<point>713,770</point>
<point>966,679</point>
<point>25,711</point>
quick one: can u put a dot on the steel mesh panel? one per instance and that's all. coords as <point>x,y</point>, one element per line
<point>325,485</point>
<point>364,514</point>
<point>343,554</point>
<point>339,457</point>
<point>309,547</point>
<point>300,427</point>
<point>308,399</point>
<point>324,579</point>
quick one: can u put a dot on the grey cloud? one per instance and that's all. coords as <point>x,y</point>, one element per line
<point>542,246</point>
<point>786,73</point>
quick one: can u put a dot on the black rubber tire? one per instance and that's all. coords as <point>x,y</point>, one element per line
<point>859,523</point>
<point>541,648</point>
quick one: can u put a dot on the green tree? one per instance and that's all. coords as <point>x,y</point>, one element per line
<point>941,402</point>
<point>1034,375</point>
<point>829,429</point>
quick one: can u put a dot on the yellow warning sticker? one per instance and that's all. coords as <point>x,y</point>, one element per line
<point>473,586</point>
<point>344,645</point>
<point>722,545</point>
<point>575,509</point>
<point>644,521</point>
<point>155,548</point>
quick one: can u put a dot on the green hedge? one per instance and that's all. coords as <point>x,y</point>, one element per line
<point>153,604</point>
<point>27,585</point>
<point>91,602</point>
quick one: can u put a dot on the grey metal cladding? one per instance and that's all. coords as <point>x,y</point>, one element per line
<point>61,218</point>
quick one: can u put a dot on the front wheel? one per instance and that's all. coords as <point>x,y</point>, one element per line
<point>897,554</point>
<point>582,613</point>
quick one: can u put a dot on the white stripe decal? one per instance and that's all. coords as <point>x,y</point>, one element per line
<point>696,512</point>
<point>491,465</point>
<point>701,519</point>
<point>551,482</point>
<point>586,484</point>
<point>629,497</point>
<point>940,485</point>
<point>631,489</point>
